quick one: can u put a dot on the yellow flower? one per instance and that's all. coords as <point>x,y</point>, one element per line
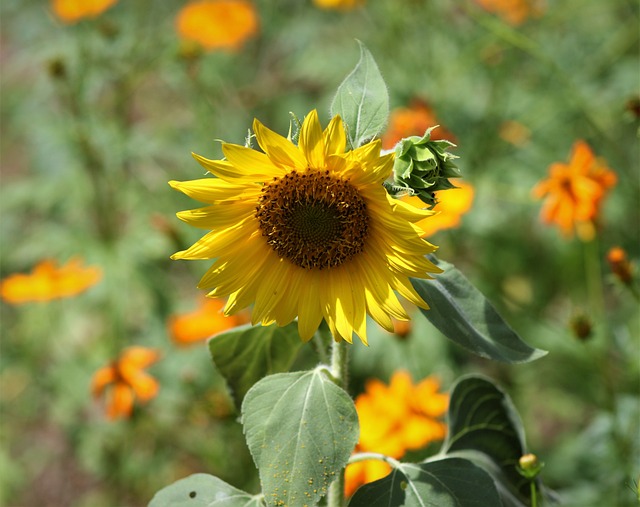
<point>127,380</point>
<point>47,282</point>
<point>393,419</point>
<point>218,24</point>
<point>342,5</point>
<point>574,192</point>
<point>202,323</point>
<point>452,204</point>
<point>72,11</point>
<point>307,231</point>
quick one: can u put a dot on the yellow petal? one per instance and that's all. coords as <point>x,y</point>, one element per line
<point>311,141</point>
<point>335,138</point>
<point>213,190</point>
<point>251,163</point>
<point>219,215</point>
<point>279,149</point>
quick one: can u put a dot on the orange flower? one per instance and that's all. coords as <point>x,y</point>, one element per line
<point>452,204</point>
<point>574,191</point>
<point>342,5</point>
<point>218,24</point>
<point>47,282</point>
<point>413,121</point>
<point>203,323</point>
<point>394,419</point>
<point>72,11</point>
<point>127,380</point>
<point>620,265</point>
<point>514,12</point>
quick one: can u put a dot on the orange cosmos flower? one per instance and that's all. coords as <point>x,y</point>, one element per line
<point>452,204</point>
<point>393,419</point>
<point>413,121</point>
<point>47,282</point>
<point>126,381</point>
<point>575,191</point>
<point>72,11</point>
<point>218,24</point>
<point>514,12</point>
<point>342,5</point>
<point>204,322</point>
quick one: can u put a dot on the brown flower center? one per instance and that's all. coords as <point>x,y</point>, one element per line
<point>313,219</point>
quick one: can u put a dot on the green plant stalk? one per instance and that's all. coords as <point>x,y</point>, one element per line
<point>339,364</point>
<point>534,497</point>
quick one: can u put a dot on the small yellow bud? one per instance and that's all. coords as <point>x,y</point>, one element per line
<point>529,466</point>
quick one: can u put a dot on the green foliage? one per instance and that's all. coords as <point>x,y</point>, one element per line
<point>448,482</point>
<point>362,101</point>
<point>301,429</point>
<point>202,490</point>
<point>245,355</point>
<point>464,315</point>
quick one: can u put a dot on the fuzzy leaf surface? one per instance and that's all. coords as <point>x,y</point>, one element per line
<point>362,100</point>
<point>301,429</point>
<point>202,490</point>
<point>449,482</point>
<point>462,313</point>
<point>245,355</point>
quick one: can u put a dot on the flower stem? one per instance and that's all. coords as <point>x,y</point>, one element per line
<point>339,364</point>
<point>534,498</point>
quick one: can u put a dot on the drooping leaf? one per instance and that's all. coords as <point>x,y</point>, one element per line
<point>245,355</point>
<point>449,482</point>
<point>301,429</point>
<point>485,427</point>
<point>362,100</point>
<point>202,490</point>
<point>460,312</point>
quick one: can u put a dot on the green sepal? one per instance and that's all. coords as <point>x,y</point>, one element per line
<point>423,166</point>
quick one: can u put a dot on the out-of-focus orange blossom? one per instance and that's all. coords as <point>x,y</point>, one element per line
<point>47,282</point>
<point>451,206</point>
<point>514,12</point>
<point>413,121</point>
<point>204,322</point>
<point>218,24</point>
<point>574,192</point>
<point>620,265</point>
<point>343,5</point>
<point>394,419</point>
<point>124,380</point>
<point>72,11</point>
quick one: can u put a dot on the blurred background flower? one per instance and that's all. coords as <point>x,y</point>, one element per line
<point>218,24</point>
<point>72,11</point>
<point>394,419</point>
<point>47,281</point>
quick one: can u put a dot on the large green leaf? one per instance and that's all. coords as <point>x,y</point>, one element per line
<point>362,100</point>
<point>485,427</point>
<point>460,312</point>
<point>245,355</point>
<point>202,490</point>
<point>449,482</point>
<point>301,429</point>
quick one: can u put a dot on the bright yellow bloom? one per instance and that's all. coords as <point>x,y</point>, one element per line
<point>202,323</point>
<point>394,419</point>
<point>307,231</point>
<point>218,24</point>
<point>574,192</point>
<point>514,12</point>
<point>413,121</point>
<point>342,5</point>
<point>72,11</point>
<point>451,205</point>
<point>47,282</point>
<point>127,380</point>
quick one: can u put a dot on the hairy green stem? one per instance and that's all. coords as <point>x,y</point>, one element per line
<point>339,363</point>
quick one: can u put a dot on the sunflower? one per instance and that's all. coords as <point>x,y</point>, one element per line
<point>307,231</point>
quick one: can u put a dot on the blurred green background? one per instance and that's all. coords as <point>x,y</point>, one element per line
<point>97,117</point>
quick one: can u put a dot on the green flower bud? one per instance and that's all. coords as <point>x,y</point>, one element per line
<point>529,466</point>
<point>423,166</point>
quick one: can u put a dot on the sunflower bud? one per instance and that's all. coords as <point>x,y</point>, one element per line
<point>424,166</point>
